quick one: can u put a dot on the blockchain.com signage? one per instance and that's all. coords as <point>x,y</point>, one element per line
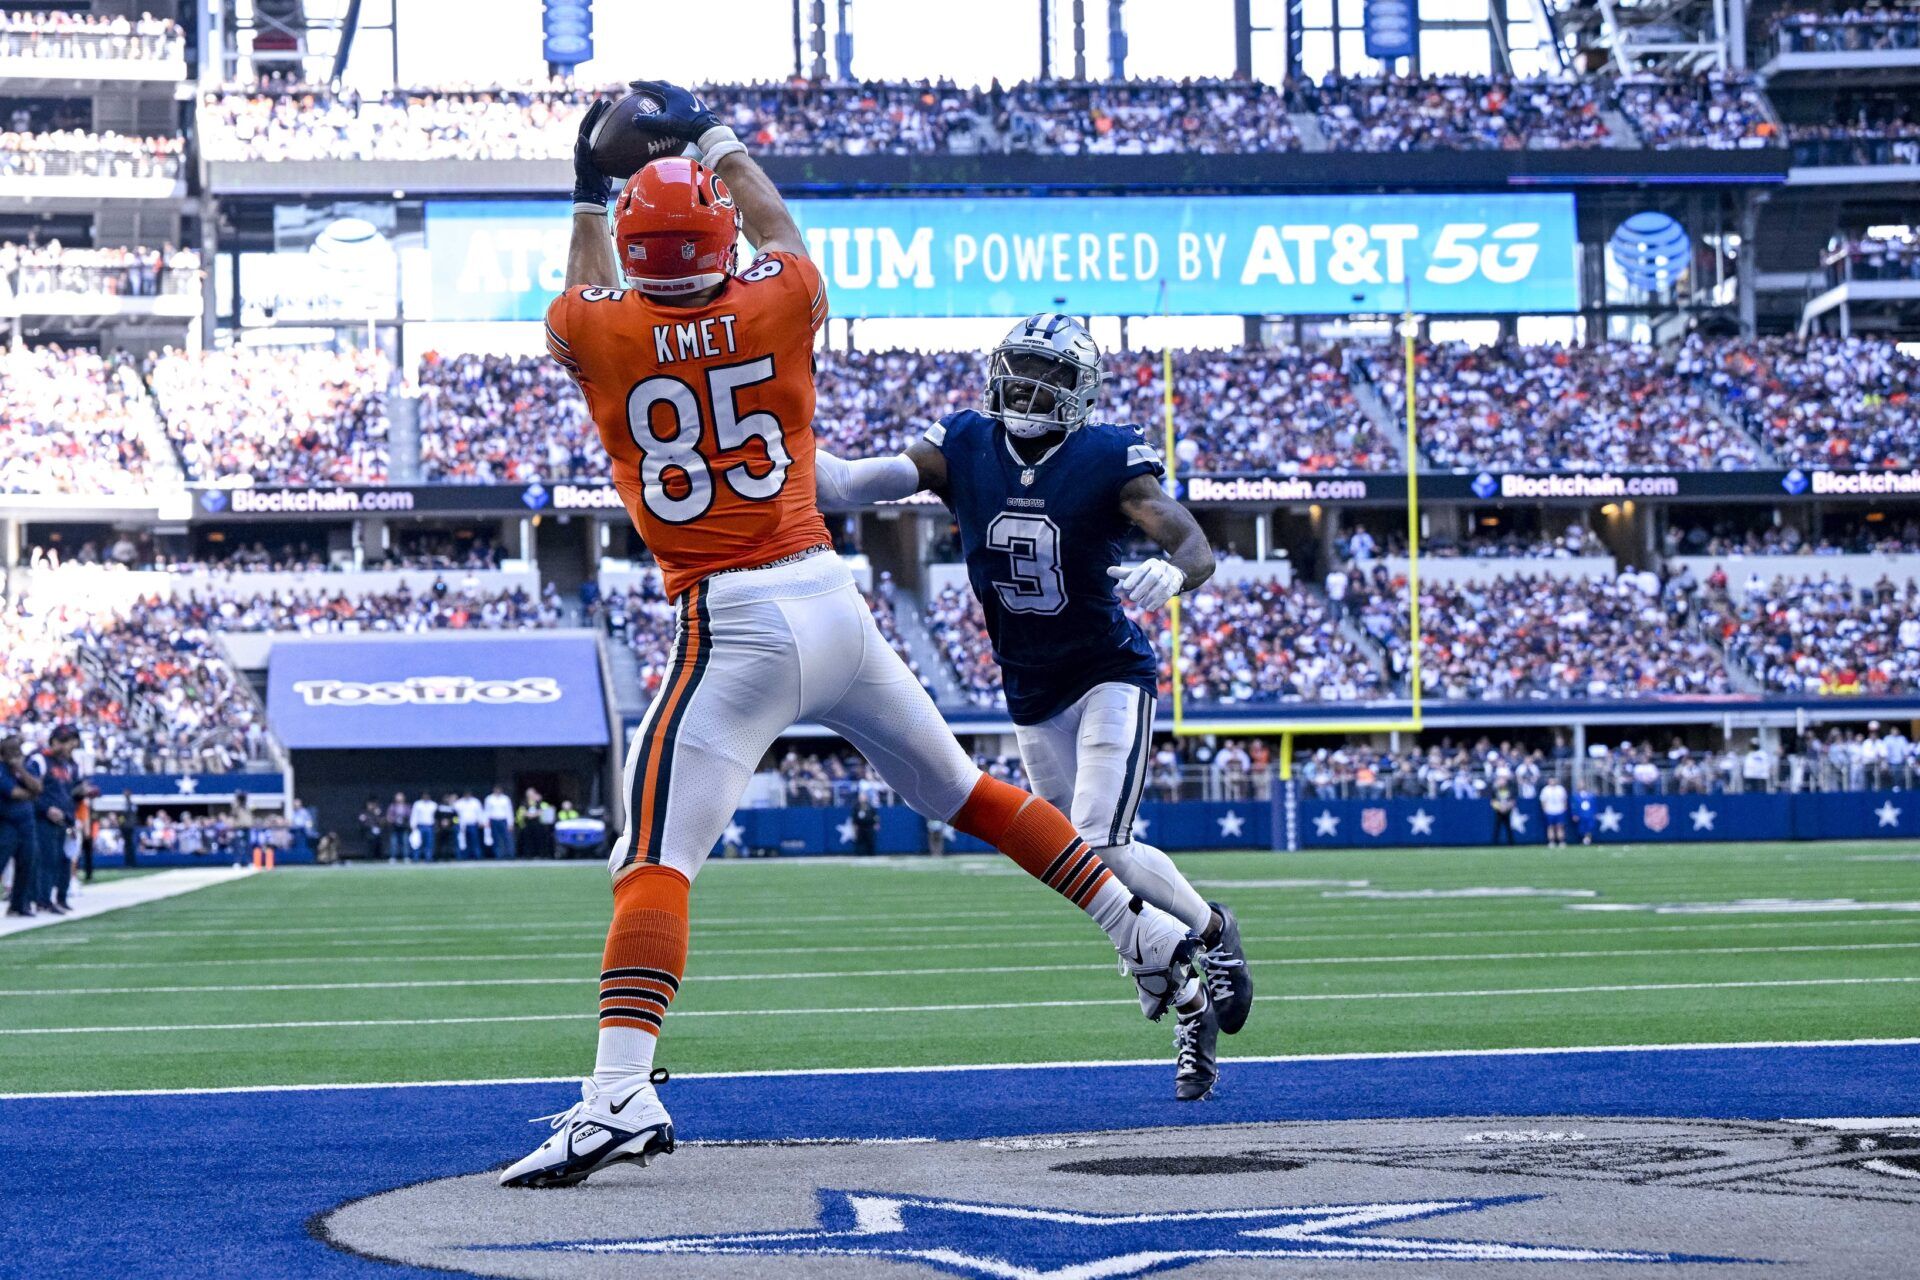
<point>440,690</point>
<point>1139,255</point>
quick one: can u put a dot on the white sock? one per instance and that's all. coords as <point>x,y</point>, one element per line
<point>1150,873</point>
<point>1109,909</point>
<point>625,1052</point>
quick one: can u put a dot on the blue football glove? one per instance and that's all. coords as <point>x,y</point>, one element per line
<point>591,188</point>
<point>682,115</point>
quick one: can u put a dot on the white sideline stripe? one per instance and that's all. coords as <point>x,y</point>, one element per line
<point>588,980</point>
<point>869,1010</point>
<point>358,935</point>
<point>1393,1055</point>
<point>115,895</point>
<point>521,957</point>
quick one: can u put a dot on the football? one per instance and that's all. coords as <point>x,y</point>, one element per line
<point>622,145</point>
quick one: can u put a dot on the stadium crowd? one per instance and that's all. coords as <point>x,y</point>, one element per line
<point>1820,401</point>
<point>1724,538</point>
<point>1873,258</point>
<point>1822,635</point>
<point>275,415</point>
<point>1856,27</point>
<point>66,33</point>
<point>492,419</point>
<point>1864,129</point>
<point>441,607</point>
<point>1457,113</point>
<point>1524,637</point>
<point>1720,112</point>
<point>70,423</point>
<point>276,121</point>
<point>1604,407</point>
<point>83,153</point>
<point>33,269</point>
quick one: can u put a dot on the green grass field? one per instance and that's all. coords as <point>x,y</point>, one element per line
<point>484,972</point>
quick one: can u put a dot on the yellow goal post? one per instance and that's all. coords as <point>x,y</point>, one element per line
<point>1286,728</point>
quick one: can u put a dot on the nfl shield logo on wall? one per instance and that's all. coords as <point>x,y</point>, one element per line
<point>1373,821</point>
<point>1655,816</point>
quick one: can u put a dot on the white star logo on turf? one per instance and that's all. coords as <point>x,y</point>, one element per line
<point>1231,824</point>
<point>1610,818</point>
<point>1520,822</point>
<point>1326,824</point>
<point>1139,827</point>
<point>1703,818</point>
<point>734,834</point>
<point>1029,1242</point>
<point>1421,821</point>
<point>187,783</point>
<point>845,831</point>
<point>1889,814</point>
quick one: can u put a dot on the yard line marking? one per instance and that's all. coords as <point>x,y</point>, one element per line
<point>1389,1055</point>
<point>766,926</point>
<point>870,1010</point>
<point>588,979</point>
<point>1624,929</point>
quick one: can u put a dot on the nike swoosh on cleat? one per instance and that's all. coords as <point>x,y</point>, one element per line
<point>617,1107</point>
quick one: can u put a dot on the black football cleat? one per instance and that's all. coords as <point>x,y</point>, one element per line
<point>1196,1069</point>
<point>1229,984</point>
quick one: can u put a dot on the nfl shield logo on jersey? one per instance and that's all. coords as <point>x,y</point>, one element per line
<point>1655,816</point>
<point>1373,821</point>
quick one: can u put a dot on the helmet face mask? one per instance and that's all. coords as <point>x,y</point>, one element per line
<point>1043,377</point>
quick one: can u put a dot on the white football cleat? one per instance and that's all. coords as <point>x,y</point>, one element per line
<point>605,1127</point>
<point>1158,955</point>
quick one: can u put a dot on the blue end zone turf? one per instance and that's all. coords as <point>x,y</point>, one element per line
<point>223,1184</point>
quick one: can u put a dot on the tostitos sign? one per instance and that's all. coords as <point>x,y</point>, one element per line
<point>483,689</point>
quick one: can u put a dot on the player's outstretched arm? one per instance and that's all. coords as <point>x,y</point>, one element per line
<point>1189,559</point>
<point>840,483</point>
<point>590,256</point>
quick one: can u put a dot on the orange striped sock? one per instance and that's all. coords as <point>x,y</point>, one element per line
<point>640,971</point>
<point>1038,837</point>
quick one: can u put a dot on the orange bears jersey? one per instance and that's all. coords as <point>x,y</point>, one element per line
<point>706,412</point>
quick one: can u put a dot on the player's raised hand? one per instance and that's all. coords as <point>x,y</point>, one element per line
<point>1149,584</point>
<point>591,188</point>
<point>682,114</point>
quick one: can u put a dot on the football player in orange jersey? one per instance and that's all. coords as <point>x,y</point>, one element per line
<point>700,381</point>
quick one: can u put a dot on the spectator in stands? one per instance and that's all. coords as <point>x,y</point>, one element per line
<point>1611,406</point>
<point>1457,114</point>
<point>71,422</point>
<point>397,821</point>
<point>421,818</point>
<point>81,36</point>
<point>19,829</point>
<point>276,415</point>
<point>1719,111</point>
<point>499,814</point>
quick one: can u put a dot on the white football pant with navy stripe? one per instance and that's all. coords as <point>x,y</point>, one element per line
<point>1090,761</point>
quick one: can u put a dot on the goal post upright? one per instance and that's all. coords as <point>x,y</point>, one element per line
<point>1288,729</point>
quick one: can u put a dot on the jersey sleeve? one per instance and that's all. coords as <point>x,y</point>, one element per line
<point>944,434</point>
<point>1141,458</point>
<point>795,282</point>
<point>560,330</point>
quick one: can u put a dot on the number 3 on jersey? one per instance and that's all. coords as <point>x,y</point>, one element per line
<point>679,455</point>
<point>1032,547</point>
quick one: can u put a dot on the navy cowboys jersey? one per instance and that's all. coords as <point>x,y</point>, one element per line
<point>1038,540</point>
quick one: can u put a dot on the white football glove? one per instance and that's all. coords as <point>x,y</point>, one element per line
<point>1149,584</point>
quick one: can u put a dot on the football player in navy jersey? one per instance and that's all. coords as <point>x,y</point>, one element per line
<point>1045,500</point>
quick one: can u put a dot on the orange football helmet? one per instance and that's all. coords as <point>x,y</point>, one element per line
<point>675,228</point>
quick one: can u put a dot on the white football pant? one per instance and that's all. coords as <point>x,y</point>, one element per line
<point>757,651</point>
<point>1090,761</point>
